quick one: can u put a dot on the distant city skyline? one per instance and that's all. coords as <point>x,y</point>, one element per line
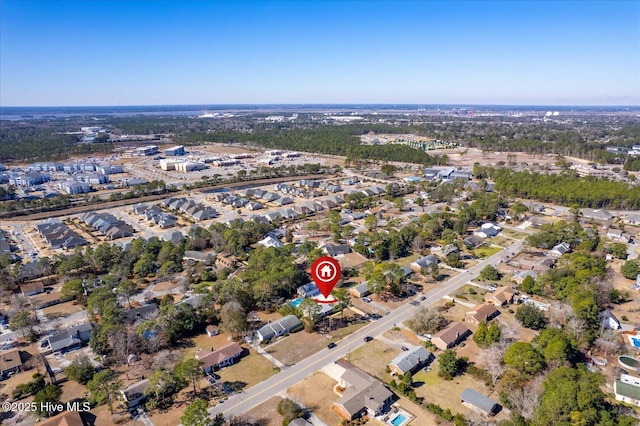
<point>93,53</point>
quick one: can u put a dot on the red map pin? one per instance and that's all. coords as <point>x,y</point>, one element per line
<point>326,273</point>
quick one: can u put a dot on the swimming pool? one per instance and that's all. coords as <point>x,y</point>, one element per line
<point>636,342</point>
<point>296,302</point>
<point>398,420</point>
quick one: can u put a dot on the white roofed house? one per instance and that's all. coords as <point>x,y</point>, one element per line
<point>560,249</point>
<point>269,241</point>
<point>488,230</point>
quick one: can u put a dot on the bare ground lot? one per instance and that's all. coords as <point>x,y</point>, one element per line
<point>302,344</point>
<point>62,309</point>
<point>316,393</point>
<point>267,412</point>
<point>373,358</point>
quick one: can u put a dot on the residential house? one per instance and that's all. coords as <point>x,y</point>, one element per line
<point>135,394</point>
<point>617,235</point>
<point>269,241</point>
<point>609,321</point>
<point>226,260</point>
<point>482,312</point>
<point>362,395</point>
<point>450,336</point>
<point>32,288</point>
<point>627,389</point>
<point>450,249</point>
<point>336,249</point>
<point>520,276</point>
<point>597,215</point>
<point>10,362</point>
<point>361,290</point>
<point>410,361</point>
<point>70,339</point>
<point>632,219</point>
<point>197,256</point>
<point>423,262</point>
<point>212,330</point>
<point>472,241</point>
<point>479,402</point>
<point>500,297</point>
<point>277,328</point>
<point>141,313</point>
<point>66,418</point>
<point>488,230</point>
<point>211,360</point>
<point>560,249</point>
<point>308,290</point>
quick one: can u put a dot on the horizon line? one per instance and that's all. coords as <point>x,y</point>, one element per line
<point>323,104</point>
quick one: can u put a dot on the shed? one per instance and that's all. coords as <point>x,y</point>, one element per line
<point>479,402</point>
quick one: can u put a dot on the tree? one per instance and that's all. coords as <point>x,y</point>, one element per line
<point>127,288</point>
<point>530,316</point>
<point>196,414</point>
<point>21,321</point>
<point>427,320</point>
<point>554,344</point>
<point>310,309</point>
<point>388,169</point>
<point>618,250</point>
<point>344,298</point>
<point>103,388</point>
<point>491,359</point>
<point>80,370</point>
<point>489,273</point>
<point>486,335</point>
<point>313,227</point>
<point>289,410</point>
<point>47,397</point>
<point>190,371</point>
<point>524,357</point>
<point>371,222</point>
<point>234,318</point>
<point>162,386</point>
<point>450,364</point>
<point>72,289</point>
<point>630,269</point>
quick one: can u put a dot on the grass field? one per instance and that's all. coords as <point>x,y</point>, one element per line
<point>514,234</point>
<point>316,393</point>
<point>251,369</point>
<point>267,412</point>
<point>373,358</point>
<point>486,251</point>
<point>469,293</point>
<point>302,344</point>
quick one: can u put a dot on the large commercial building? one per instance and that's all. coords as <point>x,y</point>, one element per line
<point>175,150</point>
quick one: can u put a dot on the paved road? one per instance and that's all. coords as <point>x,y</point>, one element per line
<point>245,401</point>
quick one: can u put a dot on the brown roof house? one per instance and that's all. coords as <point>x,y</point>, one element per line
<point>67,418</point>
<point>363,394</point>
<point>33,288</point>
<point>226,260</point>
<point>212,360</point>
<point>501,297</point>
<point>450,336</point>
<point>10,362</point>
<point>479,313</point>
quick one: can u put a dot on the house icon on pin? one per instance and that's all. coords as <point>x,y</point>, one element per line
<point>326,271</point>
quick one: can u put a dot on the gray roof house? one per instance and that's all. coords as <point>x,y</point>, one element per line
<point>363,394</point>
<point>70,339</point>
<point>336,249</point>
<point>424,262</point>
<point>278,328</point>
<point>479,402</point>
<point>134,394</point>
<point>308,290</point>
<point>410,360</point>
<point>143,312</point>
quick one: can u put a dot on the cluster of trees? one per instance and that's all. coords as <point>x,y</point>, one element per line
<point>43,141</point>
<point>427,320</point>
<point>566,189</point>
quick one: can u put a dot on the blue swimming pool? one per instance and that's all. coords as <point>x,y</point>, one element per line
<point>398,420</point>
<point>636,342</point>
<point>296,302</point>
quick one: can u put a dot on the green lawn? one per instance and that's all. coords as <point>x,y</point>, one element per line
<point>486,251</point>
<point>252,369</point>
<point>466,293</point>
<point>514,234</point>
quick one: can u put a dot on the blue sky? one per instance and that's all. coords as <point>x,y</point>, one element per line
<point>234,52</point>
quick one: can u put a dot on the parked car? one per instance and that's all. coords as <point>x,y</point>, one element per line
<point>331,345</point>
